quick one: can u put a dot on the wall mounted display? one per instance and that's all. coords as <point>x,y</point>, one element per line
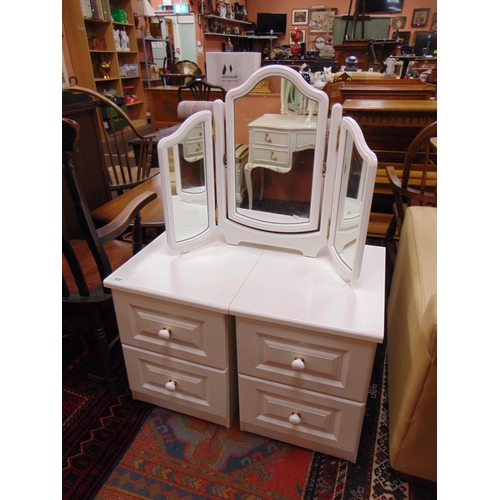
<point>398,23</point>
<point>300,17</point>
<point>416,33</point>
<point>321,19</point>
<point>420,17</point>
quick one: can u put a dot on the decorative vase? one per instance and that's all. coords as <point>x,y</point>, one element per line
<point>295,50</point>
<point>104,67</point>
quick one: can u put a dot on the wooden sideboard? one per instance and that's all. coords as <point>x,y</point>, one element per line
<point>388,126</point>
<point>361,49</point>
<point>380,88</point>
<point>163,102</point>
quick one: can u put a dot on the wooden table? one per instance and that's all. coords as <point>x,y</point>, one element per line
<point>151,215</point>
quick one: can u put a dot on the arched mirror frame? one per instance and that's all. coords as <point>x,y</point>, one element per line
<point>350,127</point>
<point>308,237</point>
<point>203,118</point>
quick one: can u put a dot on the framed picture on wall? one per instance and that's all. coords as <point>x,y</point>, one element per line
<point>300,17</point>
<point>321,19</point>
<point>434,24</point>
<point>398,23</point>
<point>404,37</point>
<point>302,40</point>
<point>420,17</point>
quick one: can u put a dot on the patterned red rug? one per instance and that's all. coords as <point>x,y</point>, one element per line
<point>178,457</point>
<point>99,423</point>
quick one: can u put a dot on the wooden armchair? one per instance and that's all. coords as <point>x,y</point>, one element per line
<point>124,165</point>
<point>418,182</point>
<point>89,260</point>
<point>200,89</point>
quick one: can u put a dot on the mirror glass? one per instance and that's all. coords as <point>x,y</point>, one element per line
<point>355,179</point>
<point>186,167</point>
<point>276,169</point>
<point>350,201</point>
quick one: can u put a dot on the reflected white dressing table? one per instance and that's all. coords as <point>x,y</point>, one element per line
<point>273,139</point>
<point>189,321</point>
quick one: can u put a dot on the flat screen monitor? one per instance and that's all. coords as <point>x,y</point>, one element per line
<point>267,21</point>
<point>425,41</point>
<point>376,6</point>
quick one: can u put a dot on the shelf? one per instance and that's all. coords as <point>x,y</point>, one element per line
<point>212,16</point>
<point>151,39</point>
<point>250,37</point>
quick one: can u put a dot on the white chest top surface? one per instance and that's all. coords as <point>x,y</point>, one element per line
<point>208,277</point>
<point>289,289</point>
<point>284,122</point>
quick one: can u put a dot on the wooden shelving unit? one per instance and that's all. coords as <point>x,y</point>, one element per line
<point>81,30</point>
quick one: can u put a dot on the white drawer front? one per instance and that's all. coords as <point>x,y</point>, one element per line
<point>322,423</point>
<point>270,156</point>
<point>195,335</point>
<point>196,388</point>
<point>331,365</point>
<point>305,140</point>
<point>268,138</point>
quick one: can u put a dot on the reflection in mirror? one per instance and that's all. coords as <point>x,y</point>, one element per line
<point>349,212</point>
<point>275,142</point>
<point>186,167</point>
<point>353,197</point>
<point>274,178</point>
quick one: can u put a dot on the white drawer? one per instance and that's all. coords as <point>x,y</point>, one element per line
<point>199,391</point>
<point>326,424</point>
<point>270,156</point>
<point>305,140</point>
<point>269,138</point>
<point>196,335</point>
<point>332,365</point>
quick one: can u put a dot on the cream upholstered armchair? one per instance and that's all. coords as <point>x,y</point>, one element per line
<point>412,348</point>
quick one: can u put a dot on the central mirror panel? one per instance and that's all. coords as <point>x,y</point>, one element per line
<point>276,128</point>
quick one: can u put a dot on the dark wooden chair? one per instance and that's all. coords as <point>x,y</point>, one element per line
<point>181,73</point>
<point>200,89</point>
<point>126,152</point>
<point>417,184</point>
<point>87,261</point>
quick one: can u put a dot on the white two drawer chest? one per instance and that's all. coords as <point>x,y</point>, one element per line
<point>270,334</point>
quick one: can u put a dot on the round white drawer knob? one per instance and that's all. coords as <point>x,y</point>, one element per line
<point>171,385</point>
<point>298,363</point>
<point>294,418</point>
<point>165,333</point>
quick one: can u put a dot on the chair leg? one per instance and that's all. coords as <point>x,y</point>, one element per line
<point>137,244</point>
<point>99,335</point>
<point>389,239</point>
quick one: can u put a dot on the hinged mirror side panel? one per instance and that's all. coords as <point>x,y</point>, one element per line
<point>353,193</point>
<point>186,162</point>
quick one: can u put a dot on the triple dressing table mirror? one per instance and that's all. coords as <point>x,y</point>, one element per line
<point>262,321</point>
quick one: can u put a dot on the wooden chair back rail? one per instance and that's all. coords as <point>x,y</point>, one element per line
<point>122,169</point>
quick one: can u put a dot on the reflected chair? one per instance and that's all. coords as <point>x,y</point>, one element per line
<point>417,184</point>
<point>90,254</point>
<point>181,73</point>
<point>200,89</point>
<point>125,165</point>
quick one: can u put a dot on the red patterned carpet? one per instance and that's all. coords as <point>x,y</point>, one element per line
<point>118,448</point>
<point>178,457</point>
